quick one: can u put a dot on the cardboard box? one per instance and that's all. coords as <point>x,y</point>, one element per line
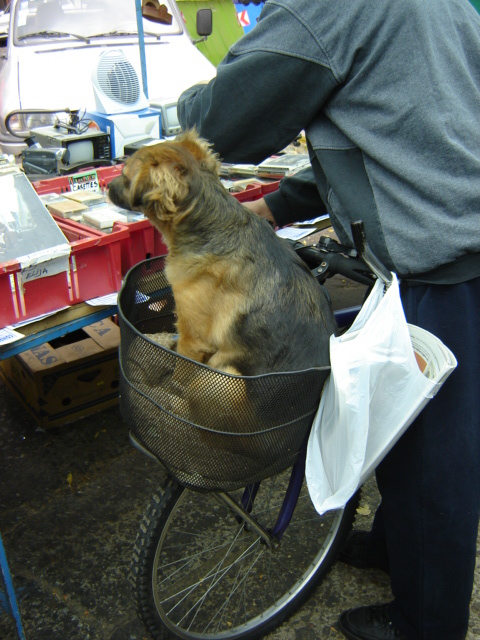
<point>68,378</point>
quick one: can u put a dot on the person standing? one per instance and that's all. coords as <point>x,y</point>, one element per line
<point>388,94</point>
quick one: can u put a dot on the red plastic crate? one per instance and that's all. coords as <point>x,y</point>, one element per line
<point>142,240</point>
<point>94,270</point>
<point>268,187</point>
<point>25,300</point>
<point>95,259</point>
<point>107,174</point>
<point>251,192</point>
<point>255,191</point>
<point>52,185</point>
<point>61,184</point>
<point>139,240</point>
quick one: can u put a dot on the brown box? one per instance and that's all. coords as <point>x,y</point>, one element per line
<point>68,378</point>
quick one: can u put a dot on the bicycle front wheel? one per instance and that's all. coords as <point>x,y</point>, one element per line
<point>200,571</point>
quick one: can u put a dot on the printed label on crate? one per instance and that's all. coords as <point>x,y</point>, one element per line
<point>44,255</point>
<point>45,269</point>
<point>86,181</point>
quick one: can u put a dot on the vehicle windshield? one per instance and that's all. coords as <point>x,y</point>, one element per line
<point>80,19</point>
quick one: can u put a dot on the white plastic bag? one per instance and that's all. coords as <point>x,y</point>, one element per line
<point>374,392</point>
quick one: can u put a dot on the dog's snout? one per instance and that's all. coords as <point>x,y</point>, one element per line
<point>118,194</point>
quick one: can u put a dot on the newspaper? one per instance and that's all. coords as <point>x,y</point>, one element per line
<point>434,359</point>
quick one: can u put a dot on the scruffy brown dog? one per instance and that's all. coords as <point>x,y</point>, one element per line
<point>246,304</point>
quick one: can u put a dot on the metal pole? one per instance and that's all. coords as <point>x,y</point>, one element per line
<point>141,44</point>
<point>6,579</point>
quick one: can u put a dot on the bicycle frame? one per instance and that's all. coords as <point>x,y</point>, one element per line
<point>273,537</point>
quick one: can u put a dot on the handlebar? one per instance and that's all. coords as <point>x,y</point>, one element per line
<point>328,258</point>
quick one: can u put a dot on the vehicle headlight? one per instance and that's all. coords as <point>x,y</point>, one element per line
<point>21,124</point>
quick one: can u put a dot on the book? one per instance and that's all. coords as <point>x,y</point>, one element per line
<point>104,216</point>
<point>242,170</point>
<point>283,165</point>
<point>65,208</point>
<point>86,197</point>
<point>274,168</point>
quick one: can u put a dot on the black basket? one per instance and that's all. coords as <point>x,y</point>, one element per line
<point>211,430</point>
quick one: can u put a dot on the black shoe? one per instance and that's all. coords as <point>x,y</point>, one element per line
<point>369,623</point>
<point>357,552</point>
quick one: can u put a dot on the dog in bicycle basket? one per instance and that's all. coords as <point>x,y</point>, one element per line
<point>245,303</point>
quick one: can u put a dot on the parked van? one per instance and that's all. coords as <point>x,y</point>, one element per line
<point>50,51</point>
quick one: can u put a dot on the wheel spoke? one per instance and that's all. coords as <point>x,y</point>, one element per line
<point>232,591</point>
<point>214,577</point>
<point>213,573</point>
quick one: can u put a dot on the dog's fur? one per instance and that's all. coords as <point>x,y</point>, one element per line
<point>245,303</point>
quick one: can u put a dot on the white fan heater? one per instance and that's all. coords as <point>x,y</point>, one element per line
<point>115,84</point>
<point>122,109</point>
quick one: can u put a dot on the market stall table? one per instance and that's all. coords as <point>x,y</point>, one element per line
<point>54,326</point>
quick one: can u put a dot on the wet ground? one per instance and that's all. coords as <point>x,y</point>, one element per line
<point>71,500</point>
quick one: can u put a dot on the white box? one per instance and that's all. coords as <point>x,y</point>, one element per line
<point>128,128</point>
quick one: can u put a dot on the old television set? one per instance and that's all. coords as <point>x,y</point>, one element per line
<point>168,109</point>
<point>81,148</point>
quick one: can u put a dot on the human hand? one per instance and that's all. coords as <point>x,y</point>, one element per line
<point>261,208</point>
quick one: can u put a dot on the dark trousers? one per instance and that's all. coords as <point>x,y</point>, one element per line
<point>427,523</point>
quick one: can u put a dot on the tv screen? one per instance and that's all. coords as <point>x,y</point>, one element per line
<point>80,151</point>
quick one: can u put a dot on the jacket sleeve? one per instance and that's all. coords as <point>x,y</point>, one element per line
<point>265,91</point>
<point>297,199</point>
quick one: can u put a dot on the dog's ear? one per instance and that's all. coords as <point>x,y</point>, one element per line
<point>164,176</point>
<point>200,150</point>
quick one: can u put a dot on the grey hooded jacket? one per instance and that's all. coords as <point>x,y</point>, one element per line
<point>388,94</point>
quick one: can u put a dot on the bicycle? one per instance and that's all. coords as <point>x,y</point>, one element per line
<point>216,554</point>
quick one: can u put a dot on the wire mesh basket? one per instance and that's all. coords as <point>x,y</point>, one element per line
<point>212,431</point>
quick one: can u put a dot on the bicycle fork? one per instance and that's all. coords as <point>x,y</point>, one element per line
<point>271,537</point>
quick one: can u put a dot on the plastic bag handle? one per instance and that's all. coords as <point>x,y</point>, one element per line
<point>366,254</point>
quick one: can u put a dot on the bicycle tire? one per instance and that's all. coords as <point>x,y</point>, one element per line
<point>198,572</point>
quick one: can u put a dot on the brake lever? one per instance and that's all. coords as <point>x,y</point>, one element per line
<point>338,264</point>
<point>329,258</point>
